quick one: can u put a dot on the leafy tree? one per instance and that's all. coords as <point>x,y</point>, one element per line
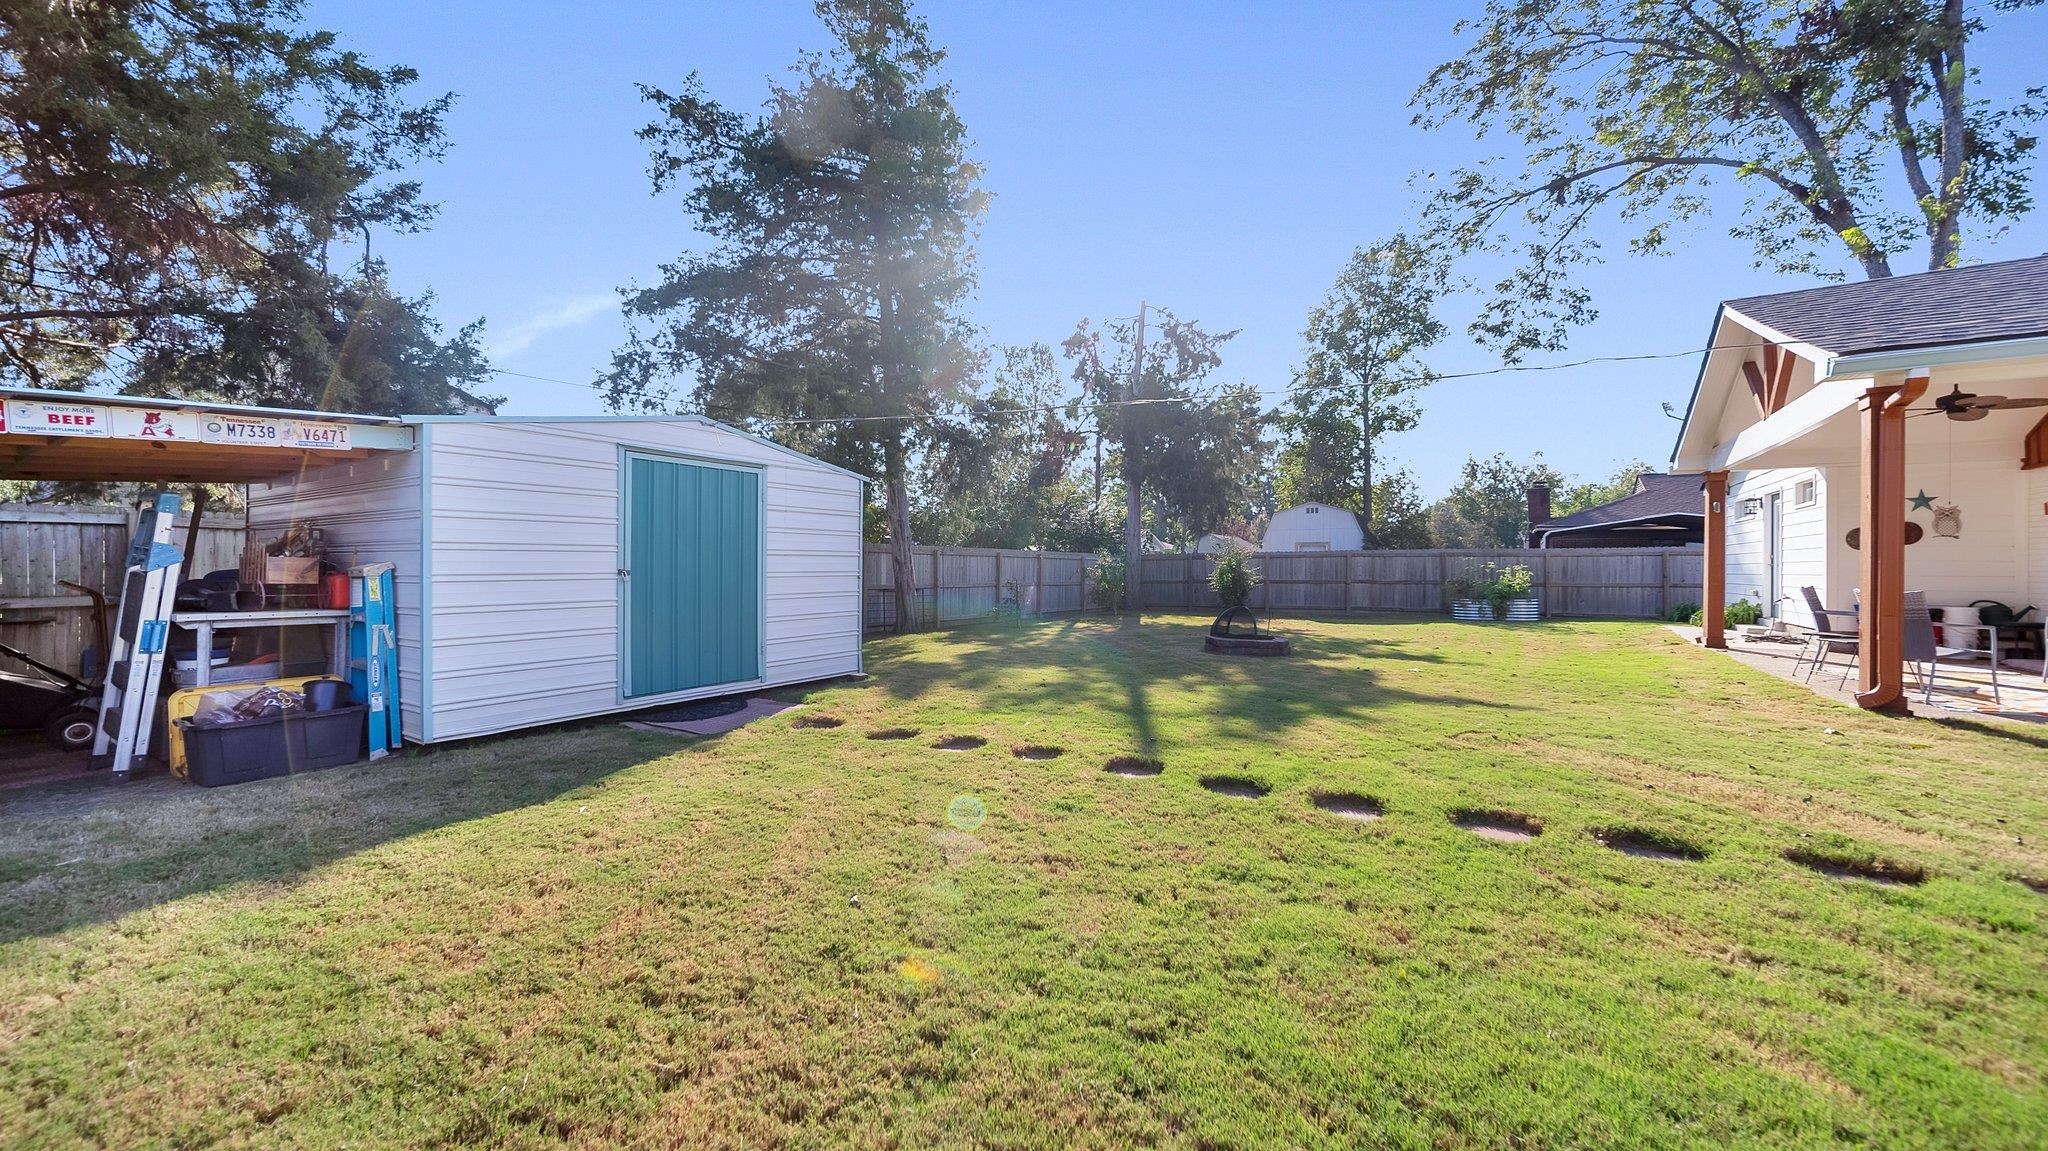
<point>1193,446</point>
<point>1578,497</point>
<point>1851,125</point>
<point>1362,372</point>
<point>173,179</point>
<point>1400,518</point>
<point>1009,480</point>
<point>839,221</point>
<point>1489,506</point>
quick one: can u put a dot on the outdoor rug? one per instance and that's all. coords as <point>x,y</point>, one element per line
<point>711,717</point>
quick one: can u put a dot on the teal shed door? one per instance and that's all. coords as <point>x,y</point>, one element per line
<point>693,576</point>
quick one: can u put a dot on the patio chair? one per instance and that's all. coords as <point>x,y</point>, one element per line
<point>1828,637</point>
<point>1925,655</point>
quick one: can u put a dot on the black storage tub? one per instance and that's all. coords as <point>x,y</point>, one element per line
<point>265,748</point>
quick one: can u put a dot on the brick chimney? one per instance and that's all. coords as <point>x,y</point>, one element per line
<point>1539,503</point>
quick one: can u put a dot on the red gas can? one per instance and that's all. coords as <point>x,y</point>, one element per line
<point>334,591</point>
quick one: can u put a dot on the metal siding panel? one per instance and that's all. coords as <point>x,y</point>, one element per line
<point>806,510</point>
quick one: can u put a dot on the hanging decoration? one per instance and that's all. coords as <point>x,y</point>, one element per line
<point>1948,521</point>
<point>1922,502</point>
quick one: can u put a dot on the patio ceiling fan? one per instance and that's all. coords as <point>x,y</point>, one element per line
<point>1961,405</point>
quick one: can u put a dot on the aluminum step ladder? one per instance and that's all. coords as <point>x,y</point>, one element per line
<point>135,666</point>
<point>373,652</point>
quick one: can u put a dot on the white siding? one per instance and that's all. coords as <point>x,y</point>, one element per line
<point>1990,560</point>
<point>1802,540</point>
<point>1313,527</point>
<point>370,511</point>
<point>524,523</point>
<point>2035,512</point>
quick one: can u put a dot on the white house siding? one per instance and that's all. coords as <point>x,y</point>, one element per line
<point>1989,559</point>
<point>1313,527</point>
<point>524,526</point>
<point>370,512</point>
<point>1803,541</point>
<point>2035,512</point>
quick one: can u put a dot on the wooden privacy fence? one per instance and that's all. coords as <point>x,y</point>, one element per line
<point>40,546</point>
<point>1625,583</point>
<point>955,585</point>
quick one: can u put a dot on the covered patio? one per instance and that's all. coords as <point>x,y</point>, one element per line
<point>1873,439</point>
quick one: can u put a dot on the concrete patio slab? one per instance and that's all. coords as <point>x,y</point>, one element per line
<point>1959,688</point>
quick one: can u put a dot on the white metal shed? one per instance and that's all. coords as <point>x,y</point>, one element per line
<point>552,569</point>
<point>1313,528</point>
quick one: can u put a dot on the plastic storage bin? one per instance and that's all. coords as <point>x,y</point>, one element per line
<point>266,748</point>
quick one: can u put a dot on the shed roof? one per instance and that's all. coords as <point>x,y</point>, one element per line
<point>1971,305</point>
<point>1658,495</point>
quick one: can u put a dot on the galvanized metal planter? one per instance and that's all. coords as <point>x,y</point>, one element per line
<point>1519,610</point>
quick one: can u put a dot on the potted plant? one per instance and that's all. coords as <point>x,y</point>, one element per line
<point>1494,592</point>
<point>1236,630</point>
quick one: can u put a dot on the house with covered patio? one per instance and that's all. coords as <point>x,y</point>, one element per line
<point>1874,438</point>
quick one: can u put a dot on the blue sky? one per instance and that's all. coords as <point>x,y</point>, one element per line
<point>1185,154</point>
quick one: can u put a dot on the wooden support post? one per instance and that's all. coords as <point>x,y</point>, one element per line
<point>1714,578</point>
<point>1881,624</point>
<point>1038,587</point>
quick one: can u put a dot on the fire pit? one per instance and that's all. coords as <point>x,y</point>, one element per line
<point>1236,632</point>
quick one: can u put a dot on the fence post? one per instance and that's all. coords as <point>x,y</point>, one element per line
<point>1664,584</point>
<point>938,588</point>
<point>1347,583</point>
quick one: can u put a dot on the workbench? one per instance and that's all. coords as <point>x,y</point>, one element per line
<point>205,623</point>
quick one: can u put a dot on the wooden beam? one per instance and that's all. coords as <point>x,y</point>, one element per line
<point>1714,571</point>
<point>1881,622</point>
<point>1781,381</point>
<point>1759,386</point>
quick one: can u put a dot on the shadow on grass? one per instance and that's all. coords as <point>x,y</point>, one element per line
<point>1044,666</point>
<point>1996,730</point>
<point>92,850</point>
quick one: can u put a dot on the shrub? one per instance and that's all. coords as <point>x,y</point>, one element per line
<point>1737,614</point>
<point>1683,613</point>
<point>1109,582</point>
<point>1234,577</point>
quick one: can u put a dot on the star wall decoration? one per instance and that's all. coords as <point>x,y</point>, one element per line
<point>1922,502</point>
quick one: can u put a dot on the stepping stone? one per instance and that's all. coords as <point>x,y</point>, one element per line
<point>960,743</point>
<point>1648,845</point>
<point>1350,805</point>
<point>894,733</point>
<point>1133,767</point>
<point>1500,826</point>
<point>1234,786</point>
<point>1037,751</point>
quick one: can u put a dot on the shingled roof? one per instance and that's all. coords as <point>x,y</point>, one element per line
<point>1973,305</point>
<point>1658,495</point>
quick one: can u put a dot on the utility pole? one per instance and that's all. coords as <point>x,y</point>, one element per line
<point>1365,458</point>
<point>1134,517</point>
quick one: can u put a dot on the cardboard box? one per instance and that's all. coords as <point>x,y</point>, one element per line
<point>291,569</point>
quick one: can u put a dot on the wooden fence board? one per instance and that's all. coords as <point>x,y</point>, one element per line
<point>40,546</point>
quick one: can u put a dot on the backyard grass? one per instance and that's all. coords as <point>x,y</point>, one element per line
<point>798,936</point>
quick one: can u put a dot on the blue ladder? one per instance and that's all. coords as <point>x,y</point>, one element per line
<point>373,652</point>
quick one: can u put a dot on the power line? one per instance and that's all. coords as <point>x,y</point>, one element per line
<point>1422,377</point>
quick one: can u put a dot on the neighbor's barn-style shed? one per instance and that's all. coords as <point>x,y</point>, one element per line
<point>552,569</point>
<point>1313,528</point>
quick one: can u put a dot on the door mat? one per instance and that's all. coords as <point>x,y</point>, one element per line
<point>701,719</point>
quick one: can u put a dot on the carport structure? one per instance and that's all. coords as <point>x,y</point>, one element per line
<point>76,436</point>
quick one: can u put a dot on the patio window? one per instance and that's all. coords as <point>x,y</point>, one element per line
<point>1804,493</point>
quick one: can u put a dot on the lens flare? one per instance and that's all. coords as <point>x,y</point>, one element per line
<point>920,971</point>
<point>966,813</point>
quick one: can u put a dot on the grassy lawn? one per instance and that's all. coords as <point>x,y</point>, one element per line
<point>797,936</point>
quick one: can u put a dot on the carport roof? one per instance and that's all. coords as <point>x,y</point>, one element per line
<point>53,435</point>
<point>1972,305</point>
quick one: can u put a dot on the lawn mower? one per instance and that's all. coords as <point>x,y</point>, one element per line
<point>64,707</point>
